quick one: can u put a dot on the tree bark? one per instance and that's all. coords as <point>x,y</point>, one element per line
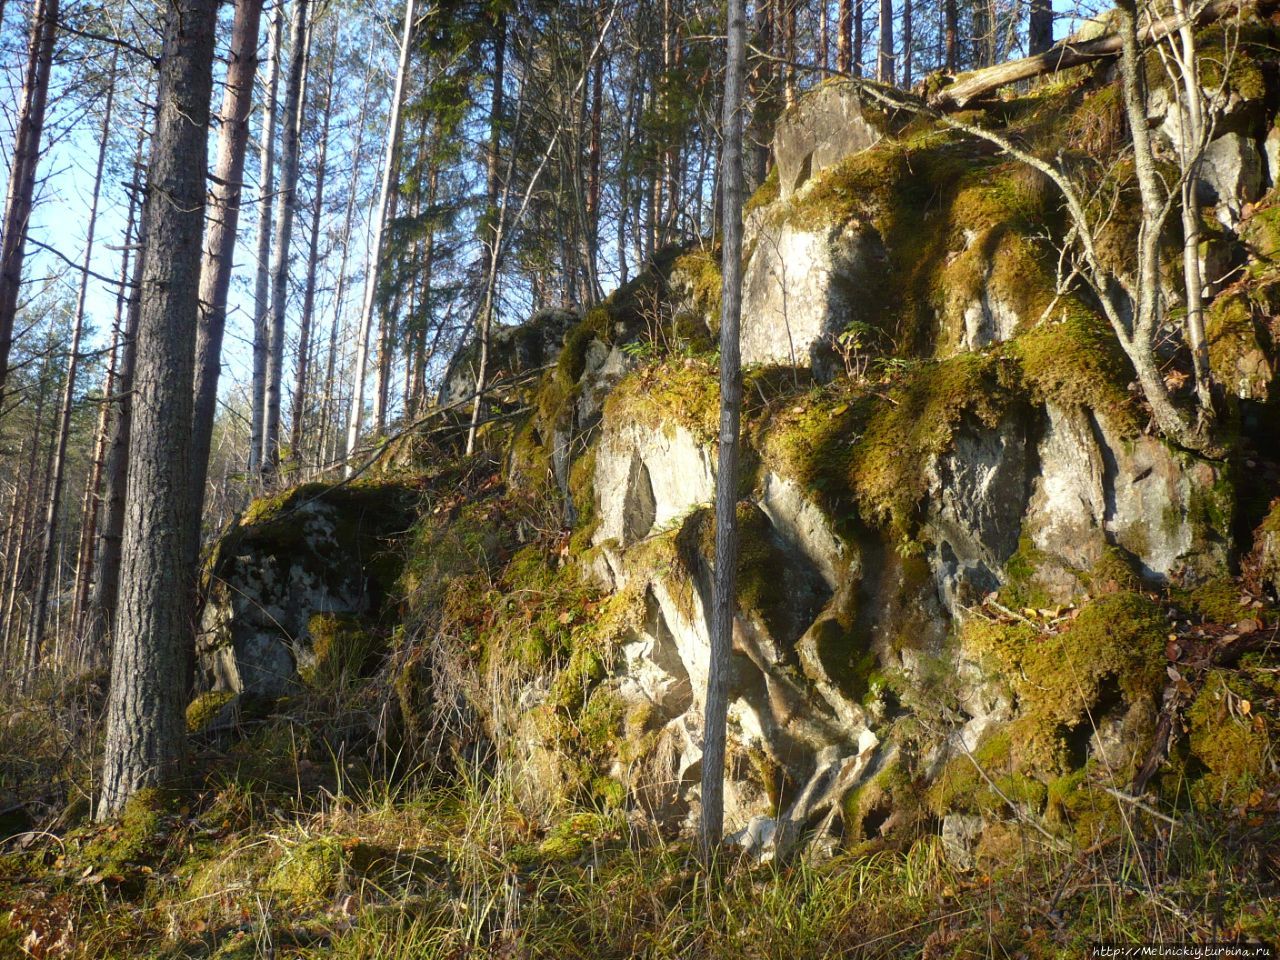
<point>286,211</point>
<point>1040,27</point>
<point>724,590</point>
<point>262,283</point>
<point>885,62</point>
<point>389,173</point>
<point>22,173</point>
<point>145,729</point>
<point>106,588</point>
<point>844,43</point>
<point>45,570</point>
<point>225,195</point>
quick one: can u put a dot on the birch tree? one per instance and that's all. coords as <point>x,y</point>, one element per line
<point>726,541</point>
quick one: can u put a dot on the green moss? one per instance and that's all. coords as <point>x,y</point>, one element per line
<point>700,269</point>
<point>567,840</point>
<point>917,421</point>
<point>1219,601</point>
<point>1231,737</point>
<point>310,873</point>
<point>765,194</point>
<point>668,394</point>
<point>1116,570</point>
<point>136,837</point>
<point>1021,587</point>
<point>1236,354</point>
<point>1059,677</point>
<point>205,707</point>
<point>344,650</point>
<point>1076,362</point>
<point>961,786</point>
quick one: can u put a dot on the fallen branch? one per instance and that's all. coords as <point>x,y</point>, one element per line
<point>979,83</point>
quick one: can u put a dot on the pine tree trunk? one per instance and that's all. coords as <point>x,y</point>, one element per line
<point>27,140</point>
<point>726,546</point>
<point>951,32</point>
<point>330,411</point>
<point>106,587</point>
<point>225,193</point>
<point>45,569</point>
<point>372,272</point>
<point>844,42</point>
<point>145,729</point>
<point>262,283</point>
<point>286,210</point>
<point>884,65</point>
<point>1040,27</point>
<point>313,262</point>
<point>93,499</point>
<point>907,28</point>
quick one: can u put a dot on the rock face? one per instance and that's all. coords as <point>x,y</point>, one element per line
<point>826,126</point>
<point>871,664</point>
<point>799,286</point>
<point>513,350</point>
<point>313,551</point>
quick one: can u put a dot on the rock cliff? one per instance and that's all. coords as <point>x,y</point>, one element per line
<point>970,567</point>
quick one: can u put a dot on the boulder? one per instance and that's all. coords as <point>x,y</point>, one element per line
<point>512,350</point>
<point>826,126</point>
<point>313,552</point>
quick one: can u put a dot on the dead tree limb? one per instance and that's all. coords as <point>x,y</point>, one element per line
<point>980,83</point>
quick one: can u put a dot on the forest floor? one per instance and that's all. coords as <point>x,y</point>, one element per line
<point>284,846</point>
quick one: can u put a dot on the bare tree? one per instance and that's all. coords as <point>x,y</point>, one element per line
<point>389,169</point>
<point>45,572</point>
<point>262,282</point>
<point>286,209</point>
<point>220,237</point>
<point>724,591</point>
<point>22,174</point>
<point>145,727</point>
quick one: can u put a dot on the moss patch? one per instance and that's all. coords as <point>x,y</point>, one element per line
<point>1059,677</point>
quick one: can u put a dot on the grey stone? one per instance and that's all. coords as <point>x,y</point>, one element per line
<point>1231,176</point>
<point>800,289</point>
<point>826,126</point>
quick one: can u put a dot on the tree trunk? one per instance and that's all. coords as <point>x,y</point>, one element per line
<point>145,730</point>
<point>844,42</point>
<point>45,570</point>
<point>492,238</point>
<point>884,64</point>
<point>286,210</point>
<point>313,261</point>
<point>262,283</point>
<point>106,588</point>
<point>951,33</point>
<point>858,39</point>
<point>389,173</point>
<point>22,174</point>
<point>225,195</point>
<point>340,292</point>
<point>1040,27</point>
<point>907,40</point>
<point>1192,144</point>
<point>723,602</point>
